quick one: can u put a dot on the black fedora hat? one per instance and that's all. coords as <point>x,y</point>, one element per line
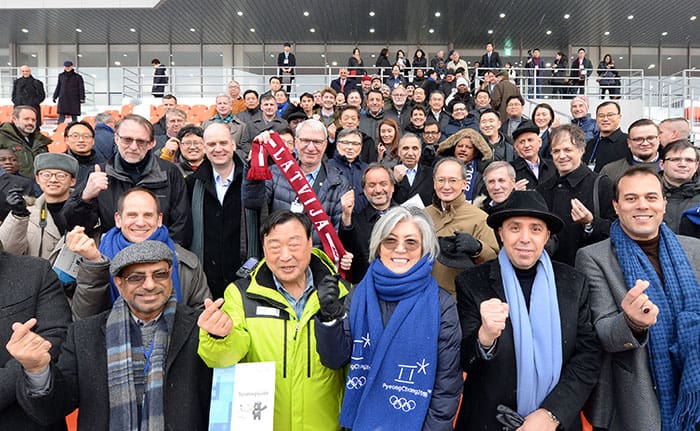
<point>450,257</point>
<point>525,127</point>
<point>526,203</point>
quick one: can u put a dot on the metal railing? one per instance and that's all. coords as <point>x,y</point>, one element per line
<point>49,77</point>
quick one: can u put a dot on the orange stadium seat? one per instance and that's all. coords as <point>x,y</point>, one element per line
<point>127,109</point>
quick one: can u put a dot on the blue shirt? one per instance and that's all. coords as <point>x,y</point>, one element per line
<point>222,184</point>
<point>297,304</point>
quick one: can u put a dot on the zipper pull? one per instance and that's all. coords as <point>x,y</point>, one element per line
<point>296,331</point>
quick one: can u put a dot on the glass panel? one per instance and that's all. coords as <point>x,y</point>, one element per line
<point>123,55</point>
<point>92,55</point>
<point>57,54</point>
<point>646,58</point>
<point>30,55</point>
<point>186,55</point>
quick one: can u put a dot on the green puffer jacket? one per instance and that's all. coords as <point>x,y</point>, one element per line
<point>10,138</point>
<point>308,395</point>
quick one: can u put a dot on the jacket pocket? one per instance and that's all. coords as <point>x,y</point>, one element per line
<point>16,308</point>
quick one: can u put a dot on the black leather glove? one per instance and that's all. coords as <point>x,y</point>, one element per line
<point>328,291</point>
<point>16,202</point>
<point>509,418</point>
<point>467,244</point>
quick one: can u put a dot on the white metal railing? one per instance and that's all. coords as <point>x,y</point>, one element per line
<point>48,76</point>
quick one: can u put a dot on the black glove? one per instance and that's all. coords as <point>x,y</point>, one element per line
<point>509,418</point>
<point>328,291</point>
<point>54,100</point>
<point>467,244</point>
<point>16,202</point>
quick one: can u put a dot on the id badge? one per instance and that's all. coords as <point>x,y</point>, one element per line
<point>297,207</point>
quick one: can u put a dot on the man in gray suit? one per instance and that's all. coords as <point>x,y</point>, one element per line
<point>645,304</point>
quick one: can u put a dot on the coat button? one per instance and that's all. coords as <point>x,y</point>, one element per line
<point>628,345</point>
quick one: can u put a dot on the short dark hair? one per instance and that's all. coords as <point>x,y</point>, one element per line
<point>120,202</point>
<point>380,166</point>
<point>418,108</point>
<point>642,122</point>
<point>190,129</point>
<point>81,123</point>
<point>431,122</point>
<point>249,91</point>
<point>549,108</point>
<point>282,217</point>
<point>491,111</point>
<point>516,96</point>
<point>170,96</point>
<point>679,145</point>
<point>608,103</point>
<point>287,44</point>
<point>636,171</point>
<point>274,77</point>
<point>306,95</point>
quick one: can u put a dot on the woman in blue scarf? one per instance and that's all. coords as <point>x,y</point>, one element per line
<point>399,332</point>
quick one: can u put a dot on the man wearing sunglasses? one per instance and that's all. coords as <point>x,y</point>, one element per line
<point>94,202</point>
<point>134,367</point>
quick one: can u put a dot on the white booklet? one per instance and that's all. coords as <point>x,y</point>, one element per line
<point>243,397</point>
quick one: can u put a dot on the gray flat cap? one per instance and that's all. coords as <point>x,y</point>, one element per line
<point>60,161</point>
<point>143,252</point>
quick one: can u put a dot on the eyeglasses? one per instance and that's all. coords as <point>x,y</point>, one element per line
<point>138,279</point>
<point>459,109</point>
<point>350,143</point>
<point>641,139</point>
<point>408,244</point>
<point>60,176</point>
<point>608,115</point>
<point>85,137</point>
<point>141,143</point>
<point>431,133</point>
<point>451,181</point>
<point>309,142</point>
<point>680,159</point>
<point>191,143</point>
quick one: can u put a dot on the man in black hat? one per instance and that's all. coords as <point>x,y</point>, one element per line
<point>113,365</point>
<point>526,310</point>
<point>528,164</point>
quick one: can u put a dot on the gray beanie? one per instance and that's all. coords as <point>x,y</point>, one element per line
<point>144,252</point>
<point>61,161</point>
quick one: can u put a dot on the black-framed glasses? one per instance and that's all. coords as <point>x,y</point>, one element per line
<point>687,160</point>
<point>640,139</point>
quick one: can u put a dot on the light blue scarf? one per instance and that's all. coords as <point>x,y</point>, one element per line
<point>536,334</point>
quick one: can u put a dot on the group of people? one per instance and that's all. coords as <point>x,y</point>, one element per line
<point>375,250</point>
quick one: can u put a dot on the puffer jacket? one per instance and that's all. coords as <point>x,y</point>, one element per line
<point>277,194</point>
<point>10,138</point>
<point>308,395</point>
<point>679,199</point>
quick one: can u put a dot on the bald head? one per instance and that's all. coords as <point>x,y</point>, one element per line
<point>673,129</point>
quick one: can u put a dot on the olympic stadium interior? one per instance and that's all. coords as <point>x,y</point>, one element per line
<point>204,44</point>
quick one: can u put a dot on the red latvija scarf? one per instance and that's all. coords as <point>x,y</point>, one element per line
<point>297,180</point>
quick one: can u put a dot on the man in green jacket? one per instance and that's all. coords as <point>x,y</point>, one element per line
<point>271,318</point>
<point>22,136</point>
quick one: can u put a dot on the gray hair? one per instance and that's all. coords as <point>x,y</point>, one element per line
<point>500,164</point>
<point>345,132</point>
<point>377,165</point>
<point>225,95</point>
<point>386,224</point>
<point>104,118</point>
<point>174,112</point>
<point>462,167</point>
<point>313,125</point>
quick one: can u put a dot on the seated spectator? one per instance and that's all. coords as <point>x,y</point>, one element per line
<point>470,148</point>
<point>168,101</point>
<point>396,78</point>
<point>264,120</point>
<point>22,135</point>
<point>174,120</point>
<point>514,111</point>
<point>461,119</point>
<point>530,168</point>
<point>417,120</point>
<point>582,118</point>
<point>252,106</point>
<point>326,112</point>
<point>138,219</point>
<point>12,183</point>
<point>283,104</point>
<point>37,229</point>
<point>9,161</point>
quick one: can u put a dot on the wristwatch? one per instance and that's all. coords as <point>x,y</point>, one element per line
<point>552,417</point>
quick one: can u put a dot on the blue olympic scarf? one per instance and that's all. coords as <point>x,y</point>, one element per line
<point>673,341</point>
<point>536,334</point>
<point>471,176</point>
<point>392,369</point>
<point>114,241</point>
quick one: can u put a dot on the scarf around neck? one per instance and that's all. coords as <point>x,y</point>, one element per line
<point>536,332</point>
<point>114,241</point>
<point>673,340</point>
<point>392,368</point>
<point>126,355</point>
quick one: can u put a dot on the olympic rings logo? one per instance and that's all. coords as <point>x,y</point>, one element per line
<point>402,403</point>
<point>356,382</point>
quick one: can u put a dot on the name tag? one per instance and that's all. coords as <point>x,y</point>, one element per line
<point>267,311</point>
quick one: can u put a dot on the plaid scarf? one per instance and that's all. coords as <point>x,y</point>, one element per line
<point>673,342</point>
<point>126,356</point>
